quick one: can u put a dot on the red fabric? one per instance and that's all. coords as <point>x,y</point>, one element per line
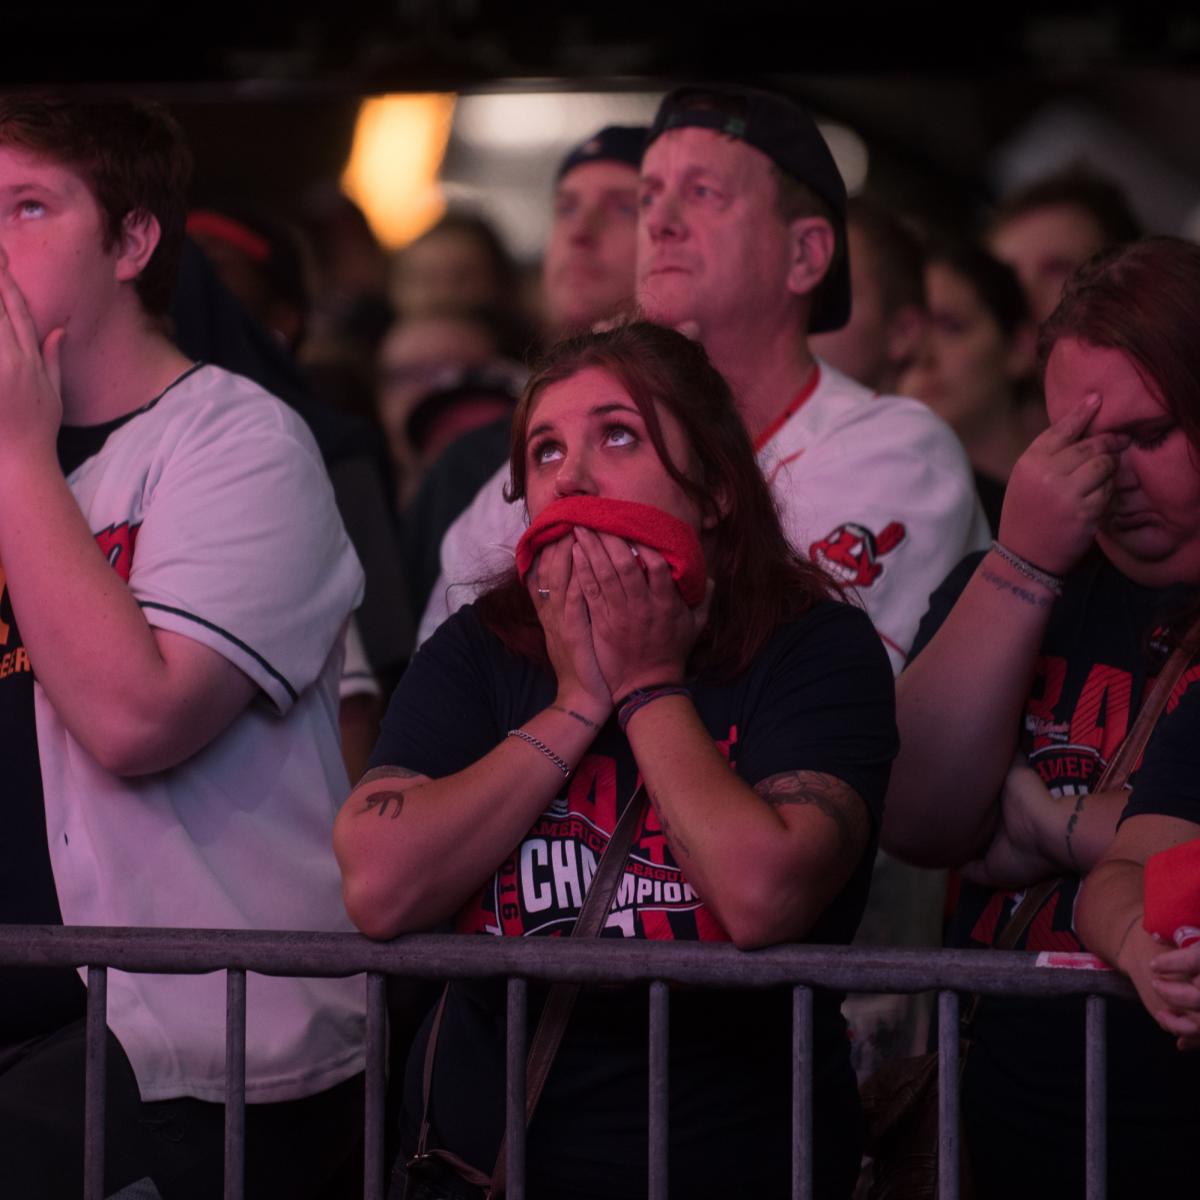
<point>675,540</point>
<point>234,233</point>
<point>1172,890</point>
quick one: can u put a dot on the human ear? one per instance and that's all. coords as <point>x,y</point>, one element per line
<point>140,234</point>
<point>811,247</point>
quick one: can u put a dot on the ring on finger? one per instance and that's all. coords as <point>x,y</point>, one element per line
<point>543,593</point>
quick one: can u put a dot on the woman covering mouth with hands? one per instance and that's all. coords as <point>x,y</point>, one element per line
<point>755,706</point>
<point>1030,667</point>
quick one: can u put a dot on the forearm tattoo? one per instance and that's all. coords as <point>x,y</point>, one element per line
<point>388,802</point>
<point>676,841</point>
<point>1036,599</point>
<point>837,800</point>
<point>570,712</point>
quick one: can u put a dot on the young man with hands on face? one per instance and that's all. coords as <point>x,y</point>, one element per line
<point>174,587</point>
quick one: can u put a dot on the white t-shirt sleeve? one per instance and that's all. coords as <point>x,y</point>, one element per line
<point>241,547</point>
<point>479,545</point>
<point>887,504</point>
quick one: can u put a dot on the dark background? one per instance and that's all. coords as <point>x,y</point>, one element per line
<point>268,91</point>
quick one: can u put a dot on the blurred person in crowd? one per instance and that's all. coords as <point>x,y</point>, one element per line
<point>460,265</point>
<point>414,359</point>
<point>1050,227</point>
<point>587,277</point>
<point>243,303</point>
<point>977,356</point>
<point>175,583</point>
<point>888,314</point>
<point>262,262</point>
<point>350,290</point>
<point>587,269</point>
<point>741,242</point>
<point>1033,663</point>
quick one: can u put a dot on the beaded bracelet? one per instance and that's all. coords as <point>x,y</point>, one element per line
<point>560,763</point>
<point>640,697</point>
<point>1052,583</point>
<point>619,701</point>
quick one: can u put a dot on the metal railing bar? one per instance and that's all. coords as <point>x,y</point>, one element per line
<point>514,1133</point>
<point>600,960</point>
<point>375,1082</point>
<point>660,1022</point>
<point>948,1136</point>
<point>1096,1099</point>
<point>235,1084</point>
<point>95,1078</point>
<point>802,1093</point>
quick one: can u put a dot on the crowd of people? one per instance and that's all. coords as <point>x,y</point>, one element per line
<point>773,568</point>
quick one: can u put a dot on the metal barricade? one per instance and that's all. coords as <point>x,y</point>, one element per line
<point>843,968</point>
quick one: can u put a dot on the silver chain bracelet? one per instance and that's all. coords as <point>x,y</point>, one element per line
<point>1052,583</point>
<point>560,763</point>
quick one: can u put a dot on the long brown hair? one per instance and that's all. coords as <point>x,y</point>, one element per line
<point>761,581</point>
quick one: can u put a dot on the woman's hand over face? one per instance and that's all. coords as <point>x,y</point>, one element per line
<point>1059,490</point>
<point>554,587</point>
<point>642,630</point>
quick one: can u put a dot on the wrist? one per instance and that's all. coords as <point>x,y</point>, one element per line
<point>1050,580</point>
<point>647,681</point>
<point>1133,945</point>
<point>584,707</point>
<point>634,701</point>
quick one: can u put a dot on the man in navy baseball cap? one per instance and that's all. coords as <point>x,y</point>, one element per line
<point>588,269</point>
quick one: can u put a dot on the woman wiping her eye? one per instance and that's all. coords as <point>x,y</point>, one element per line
<point>657,626</point>
<point>1038,659</point>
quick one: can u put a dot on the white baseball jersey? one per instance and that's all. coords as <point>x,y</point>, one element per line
<point>213,503</point>
<point>877,489</point>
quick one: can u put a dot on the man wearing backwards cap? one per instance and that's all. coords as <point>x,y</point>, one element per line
<point>741,241</point>
<point>742,235</point>
<point>587,272</point>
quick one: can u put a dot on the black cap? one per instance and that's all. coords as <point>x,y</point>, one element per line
<point>786,133</point>
<point>614,143</point>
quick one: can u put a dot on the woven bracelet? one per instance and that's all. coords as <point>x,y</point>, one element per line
<point>640,697</point>
<point>1052,583</point>
<point>560,763</point>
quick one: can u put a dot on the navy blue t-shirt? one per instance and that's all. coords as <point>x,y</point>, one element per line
<point>1023,1089</point>
<point>820,698</point>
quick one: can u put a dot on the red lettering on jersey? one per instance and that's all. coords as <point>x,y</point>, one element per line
<point>593,791</point>
<point>1101,714</point>
<point>726,744</point>
<point>1049,674</point>
<point>985,926</point>
<point>1185,681</point>
<point>1043,936</point>
<point>657,926</point>
<point>508,907</point>
<point>116,544</point>
<point>707,927</point>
